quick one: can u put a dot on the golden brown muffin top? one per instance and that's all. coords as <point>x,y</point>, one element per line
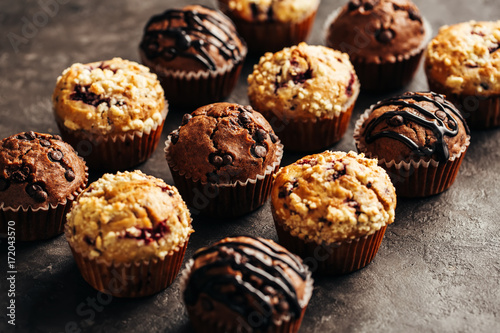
<point>333,196</point>
<point>38,170</point>
<point>377,30</point>
<point>464,58</point>
<point>128,217</point>
<point>303,81</point>
<point>109,97</point>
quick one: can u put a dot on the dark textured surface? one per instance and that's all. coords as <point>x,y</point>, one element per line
<point>438,269</point>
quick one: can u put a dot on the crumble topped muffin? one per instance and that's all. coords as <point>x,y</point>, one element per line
<point>270,10</point>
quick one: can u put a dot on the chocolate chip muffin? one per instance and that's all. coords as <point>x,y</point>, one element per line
<point>222,159</point>
<point>246,284</point>
<point>333,208</point>
<point>463,62</point>
<point>307,93</point>
<point>40,177</point>
<point>112,112</point>
<point>384,38</point>
<point>419,138</point>
<point>196,53</point>
<point>131,225</point>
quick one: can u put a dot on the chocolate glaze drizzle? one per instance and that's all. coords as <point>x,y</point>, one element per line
<point>440,126</point>
<point>246,294</point>
<point>193,35</point>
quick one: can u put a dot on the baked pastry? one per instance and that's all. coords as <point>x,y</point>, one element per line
<point>40,177</point>
<point>246,284</point>
<point>270,25</point>
<point>132,226</point>
<point>112,112</point>
<point>463,62</point>
<point>419,138</point>
<point>333,208</point>
<point>384,38</point>
<point>196,53</point>
<point>307,94</point>
<point>222,159</point>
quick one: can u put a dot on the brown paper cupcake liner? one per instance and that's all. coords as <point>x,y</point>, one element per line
<point>134,279</point>
<point>480,112</point>
<point>114,152</point>
<point>224,200</point>
<point>40,223</point>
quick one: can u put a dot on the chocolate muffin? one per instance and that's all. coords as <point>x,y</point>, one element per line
<point>196,53</point>
<point>40,177</point>
<point>246,284</point>
<point>419,138</point>
<point>384,38</point>
<point>222,159</point>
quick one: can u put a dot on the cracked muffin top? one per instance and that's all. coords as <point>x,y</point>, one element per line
<point>223,143</point>
<point>38,170</point>
<point>465,58</point>
<point>109,97</point>
<point>303,81</point>
<point>128,216</point>
<point>333,196</point>
<point>377,30</point>
<point>412,126</point>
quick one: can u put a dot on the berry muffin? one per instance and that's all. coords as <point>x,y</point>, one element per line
<point>222,159</point>
<point>270,25</point>
<point>419,138</point>
<point>112,112</point>
<point>40,177</point>
<point>384,38</point>
<point>333,209</point>
<point>307,94</point>
<point>246,284</point>
<point>128,233</point>
<point>463,62</point>
<point>196,53</point>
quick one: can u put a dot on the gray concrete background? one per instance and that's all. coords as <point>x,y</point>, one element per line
<point>438,269</point>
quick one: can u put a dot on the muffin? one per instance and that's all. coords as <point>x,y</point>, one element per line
<point>222,159</point>
<point>419,138</point>
<point>270,25</point>
<point>463,63</point>
<point>246,284</point>
<point>128,233</point>
<point>385,40</point>
<point>196,52</point>
<point>307,94</point>
<point>112,112</point>
<point>40,177</point>
<point>333,209</point>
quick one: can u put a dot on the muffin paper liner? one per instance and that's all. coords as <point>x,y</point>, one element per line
<point>415,178</point>
<point>134,279</point>
<point>204,321</point>
<point>480,112</point>
<point>114,152</point>
<point>39,223</point>
<point>224,200</point>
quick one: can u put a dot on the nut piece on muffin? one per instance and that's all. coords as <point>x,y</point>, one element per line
<point>40,177</point>
<point>333,208</point>
<point>463,62</point>
<point>196,52</point>
<point>419,138</point>
<point>307,93</point>
<point>112,112</point>
<point>133,224</point>
<point>246,284</point>
<point>222,159</point>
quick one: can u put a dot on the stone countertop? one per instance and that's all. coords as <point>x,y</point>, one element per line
<point>438,269</point>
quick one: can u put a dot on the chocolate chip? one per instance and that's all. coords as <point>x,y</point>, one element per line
<point>22,137</point>
<point>20,175</point>
<point>283,306</point>
<point>36,192</point>
<point>30,135</point>
<point>368,6</point>
<point>369,185</point>
<point>395,121</point>
<point>259,151</point>
<point>215,160</point>
<point>484,86</point>
<point>268,290</point>
<point>56,137</point>
<point>186,118</point>
<point>451,124</point>
<point>441,115</point>
<point>494,48</point>
<point>44,143</point>
<point>274,137</point>
<point>227,159</point>
<point>69,175</point>
<point>174,136</point>
<point>385,36</point>
<point>414,16</point>
<point>260,135</point>
<point>353,4</point>
<point>56,155</point>
<point>244,118</point>
<point>3,184</point>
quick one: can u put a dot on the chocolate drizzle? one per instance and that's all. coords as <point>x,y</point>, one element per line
<point>247,296</point>
<point>439,125</point>
<point>191,38</point>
